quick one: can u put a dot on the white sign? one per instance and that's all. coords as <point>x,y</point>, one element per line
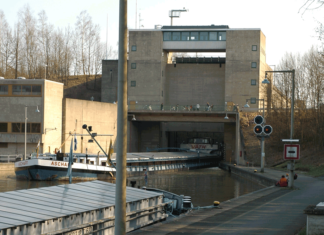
<point>291,151</point>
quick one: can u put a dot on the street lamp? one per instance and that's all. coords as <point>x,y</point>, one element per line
<point>37,111</point>
<point>176,14</point>
<point>226,118</point>
<point>291,181</point>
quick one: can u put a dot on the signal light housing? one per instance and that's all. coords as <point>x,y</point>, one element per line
<point>258,129</point>
<point>258,120</point>
<point>267,129</point>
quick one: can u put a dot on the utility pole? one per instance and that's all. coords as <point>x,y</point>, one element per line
<point>120,212</point>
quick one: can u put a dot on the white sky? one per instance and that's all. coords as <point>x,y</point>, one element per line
<point>285,28</point>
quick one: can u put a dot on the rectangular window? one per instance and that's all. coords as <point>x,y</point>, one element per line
<point>167,36</point>
<point>253,65</point>
<point>253,82</point>
<point>3,145</point>
<point>23,127</point>
<point>134,48</point>
<point>133,66</point>
<point>185,36</point>
<point>222,36</point>
<point>16,90</point>
<point>37,90</point>
<point>254,47</point>
<point>15,127</point>
<point>26,90</point>
<point>175,36</point>
<point>133,83</point>
<point>194,36</point>
<point>35,127</point>
<point>3,127</point>
<point>253,100</point>
<point>212,36</point>
<point>203,36</point>
<point>4,90</point>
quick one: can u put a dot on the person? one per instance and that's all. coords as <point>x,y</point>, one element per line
<point>208,106</point>
<point>283,182</point>
<point>295,176</point>
<point>161,106</point>
<point>190,109</point>
<point>177,108</point>
<point>198,106</point>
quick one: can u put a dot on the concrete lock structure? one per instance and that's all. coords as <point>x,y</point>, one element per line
<point>171,98</point>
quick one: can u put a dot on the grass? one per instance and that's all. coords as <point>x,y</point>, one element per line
<point>306,169</point>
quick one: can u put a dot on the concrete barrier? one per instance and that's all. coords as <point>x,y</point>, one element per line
<point>260,179</point>
<point>7,166</point>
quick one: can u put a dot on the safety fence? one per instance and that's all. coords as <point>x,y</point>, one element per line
<point>184,108</point>
<point>10,158</point>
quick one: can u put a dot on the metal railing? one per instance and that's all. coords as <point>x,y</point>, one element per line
<point>183,108</point>
<point>10,158</point>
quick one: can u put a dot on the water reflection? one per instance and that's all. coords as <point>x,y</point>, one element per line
<point>203,185</point>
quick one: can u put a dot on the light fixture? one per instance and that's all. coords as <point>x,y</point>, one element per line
<point>37,110</point>
<point>226,118</point>
<point>92,98</point>
<point>114,102</point>
<point>133,119</point>
<point>266,81</point>
<point>246,105</point>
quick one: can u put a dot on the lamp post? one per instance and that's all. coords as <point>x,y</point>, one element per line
<point>37,111</point>
<point>177,14</point>
<point>266,81</point>
<point>262,137</point>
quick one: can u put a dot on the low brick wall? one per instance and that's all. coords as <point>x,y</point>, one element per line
<point>7,166</point>
<point>260,179</point>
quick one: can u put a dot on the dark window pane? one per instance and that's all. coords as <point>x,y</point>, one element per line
<point>203,36</point>
<point>23,127</point>
<point>133,83</point>
<point>4,90</point>
<point>253,82</point>
<point>134,48</point>
<point>253,100</point>
<point>36,128</point>
<point>185,36</point>
<point>37,90</point>
<point>26,90</point>
<point>254,47</point>
<point>15,127</point>
<point>253,65</point>
<point>133,66</point>
<point>222,36</point>
<point>194,36</point>
<point>3,127</point>
<point>16,90</point>
<point>167,36</point>
<point>175,36</point>
<point>3,145</point>
<point>213,36</point>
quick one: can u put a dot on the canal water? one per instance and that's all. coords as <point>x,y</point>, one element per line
<point>203,185</point>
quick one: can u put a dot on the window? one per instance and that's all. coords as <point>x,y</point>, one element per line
<point>213,36</point>
<point>167,36</point>
<point>185,36</point>
<point>133,83</point>
<point>253,82</point>
<point>3,127</point>
<point>37,90</point>
<point>31,127</point>
<point>134,48</point>
<point>194,36</point>
<point>133,66</point>
<point>26,90</point>
<point>253,65</point>
<point>175,36</point>
<point>253,100</point>
<point>254,47</point>
<point>4,90</point>
<point>203,36</point>
<point>222,36</point>
<point>16,90</point>
<point>3,145</point>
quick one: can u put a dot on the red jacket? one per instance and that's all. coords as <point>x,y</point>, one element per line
<point>283,182</point>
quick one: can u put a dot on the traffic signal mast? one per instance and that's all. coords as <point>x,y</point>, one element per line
<point>262,131</point>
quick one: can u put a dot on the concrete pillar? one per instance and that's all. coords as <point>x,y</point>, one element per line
<point>229,140</point>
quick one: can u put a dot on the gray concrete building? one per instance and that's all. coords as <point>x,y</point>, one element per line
<point>189,85</point>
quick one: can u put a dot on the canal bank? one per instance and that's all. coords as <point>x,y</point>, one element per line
<point>272,210</point>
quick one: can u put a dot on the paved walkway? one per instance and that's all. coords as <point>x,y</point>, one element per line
<point>272,210</point>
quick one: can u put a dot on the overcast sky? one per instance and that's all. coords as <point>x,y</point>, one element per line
<point>285,28</point>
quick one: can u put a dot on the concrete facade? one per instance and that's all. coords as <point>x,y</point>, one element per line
<point>101,116</point>
<point>47,124</point>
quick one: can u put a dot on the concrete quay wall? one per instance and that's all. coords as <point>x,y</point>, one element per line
<point>7,166</point>
<point>255,177</point>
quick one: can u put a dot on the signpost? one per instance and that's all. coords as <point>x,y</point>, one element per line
<point>291,153</point>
